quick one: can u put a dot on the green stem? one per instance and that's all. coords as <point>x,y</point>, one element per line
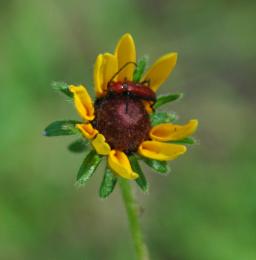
<point>132,212</point>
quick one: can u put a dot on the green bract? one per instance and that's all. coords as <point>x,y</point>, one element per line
<point>162,118</point>
<point>79,146</point>
<point>62,87</point>
<point>64,127</point>
<point>108,183</point>
<point>88,167</point>
<point>140,69</point>
<point>187,140</point>
<point>141,181</point>
<point>161,100</point>
<point>158,166</point>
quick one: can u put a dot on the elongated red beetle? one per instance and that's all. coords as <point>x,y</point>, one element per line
<point>140,90</point>
<point>130,88</point>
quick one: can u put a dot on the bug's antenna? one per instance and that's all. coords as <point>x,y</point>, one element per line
<point>124,66</point>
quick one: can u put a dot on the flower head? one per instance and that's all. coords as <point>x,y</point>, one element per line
<point>121,123</point>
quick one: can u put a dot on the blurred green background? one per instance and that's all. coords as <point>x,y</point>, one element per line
<point>206,208</point>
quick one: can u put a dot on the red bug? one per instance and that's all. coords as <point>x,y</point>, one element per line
<point>130,88</point>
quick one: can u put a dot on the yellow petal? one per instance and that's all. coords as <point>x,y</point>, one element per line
<point>100,145</point>
<point>148,106</point>
<point>87,130</point>
<point>171,132</point>
<point>119,163</point>
<point>83,102</point>
<point>161,151</point>
<point>125,52</point>
<point>98,75</point>
<point>160,70</point>
<point>104,69</point>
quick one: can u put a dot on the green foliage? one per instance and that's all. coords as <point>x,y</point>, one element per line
<point>141,180</point>
<point>108,183</point>
<point>162,117</point>
<point>62,87</point>
<point>63,127</point>
<point>78,146</point>
<point>162,100</point>
<point>158,166</point>
<point>140,69</point>
<point>88,167</point>
<point>187,140</point>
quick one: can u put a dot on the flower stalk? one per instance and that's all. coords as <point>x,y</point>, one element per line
<point>133,218</point>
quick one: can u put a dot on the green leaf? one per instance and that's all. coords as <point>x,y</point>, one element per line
<point>108,183</point>
<point>88,167</point>
<point>162,117</point>
<point>62,87</point>
<point>141,180</point>
<point>161,100</point>
<point>158,166</point>
<point>187,140</point>
<point>78,146</point>
<point>64,127</point>
<point>140,69</point>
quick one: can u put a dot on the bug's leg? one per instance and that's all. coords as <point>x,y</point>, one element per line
<point>146,82</point>
<point>127,101</point>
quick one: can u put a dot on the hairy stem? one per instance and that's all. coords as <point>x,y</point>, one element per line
<point>132,212</point>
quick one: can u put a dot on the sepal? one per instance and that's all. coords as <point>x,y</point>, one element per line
<point>140,69</point>
<point>141,180</point>
<point>88,167</point>
<point>161,167</point>
<point>162,100</point>
<point>62,87</point>
<point>162,117</point>
<point>62,127</point>
<point>187,140</point>
<point>78,146</point>
<point>108,183</point>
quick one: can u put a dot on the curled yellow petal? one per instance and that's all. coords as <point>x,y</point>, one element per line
<point>119,163</point>
<point>87,130</point>
<point>100,145</point>
<point>160,70</point>
<point>171,132</point>
<point>125,52</point>
<point>161,151</point>
<point>83,102</point>
<point>104,69</point>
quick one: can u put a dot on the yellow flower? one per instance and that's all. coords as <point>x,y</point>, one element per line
<point>119,125</point>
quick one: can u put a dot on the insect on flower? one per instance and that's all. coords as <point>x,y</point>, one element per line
<point>122,123</point>
<point>141,90</point>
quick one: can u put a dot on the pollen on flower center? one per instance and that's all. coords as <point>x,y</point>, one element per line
<point>123,121</point>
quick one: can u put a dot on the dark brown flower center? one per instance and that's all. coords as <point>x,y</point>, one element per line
<point>123,121</point>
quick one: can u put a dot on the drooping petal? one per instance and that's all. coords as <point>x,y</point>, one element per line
<point>83,102</point>
<point>104,69</point>
<point>172,132</point>
<point>160,70</point>
<point>119,163</point>
<point>125,52</point>
<point>87,130</point>
<point>161,151</point>
<point>100,145</point>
